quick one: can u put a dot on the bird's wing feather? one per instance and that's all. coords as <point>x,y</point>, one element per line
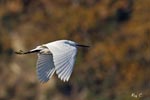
<point>45,67</point>
<point>64,58</point>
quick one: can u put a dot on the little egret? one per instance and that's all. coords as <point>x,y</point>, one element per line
<point>56,56</point>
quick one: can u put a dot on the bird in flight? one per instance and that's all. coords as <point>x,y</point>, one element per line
<point>58,56</point>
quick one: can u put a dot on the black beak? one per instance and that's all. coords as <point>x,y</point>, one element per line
<point>80,45</point>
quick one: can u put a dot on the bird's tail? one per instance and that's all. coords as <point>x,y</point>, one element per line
<point>27,52</point>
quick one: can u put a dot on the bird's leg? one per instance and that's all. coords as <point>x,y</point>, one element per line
<point>19,52</point>
<point>26,52</point>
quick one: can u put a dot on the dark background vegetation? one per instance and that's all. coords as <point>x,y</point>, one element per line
<point>116,65</point>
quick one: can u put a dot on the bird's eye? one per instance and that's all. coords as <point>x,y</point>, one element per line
<point>67,42</point>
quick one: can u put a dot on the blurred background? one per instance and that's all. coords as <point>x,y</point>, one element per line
<point>115,66</point>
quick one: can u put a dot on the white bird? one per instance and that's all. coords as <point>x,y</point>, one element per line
<point>56,56</point>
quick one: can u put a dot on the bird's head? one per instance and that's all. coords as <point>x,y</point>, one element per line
<point>72,43</point>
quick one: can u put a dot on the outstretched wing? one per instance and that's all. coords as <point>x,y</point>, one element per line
<point>64,58</point>
<point>45,67</point>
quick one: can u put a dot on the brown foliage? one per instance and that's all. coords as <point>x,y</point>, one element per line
<point>116,65</point>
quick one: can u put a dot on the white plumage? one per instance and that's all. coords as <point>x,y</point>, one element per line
<point>58,56</point>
